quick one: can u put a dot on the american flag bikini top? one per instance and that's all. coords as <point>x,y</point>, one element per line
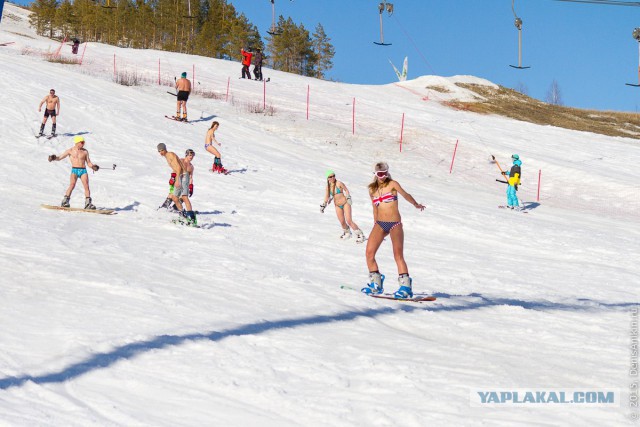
<point>385,198</point>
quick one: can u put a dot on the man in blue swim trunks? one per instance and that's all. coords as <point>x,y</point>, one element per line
<point>79,158</point>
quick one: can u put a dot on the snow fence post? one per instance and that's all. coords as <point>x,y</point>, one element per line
<point>83,50</point>
<point>454,156</point>
<point>353,118</point>
<point>228,83</point>
<point>539,177</point>
<point>401,132</point>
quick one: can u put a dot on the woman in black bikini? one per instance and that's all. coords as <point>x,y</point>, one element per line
<point>384,196</point>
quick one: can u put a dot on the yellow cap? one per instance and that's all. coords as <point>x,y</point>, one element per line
<point>78,139</point>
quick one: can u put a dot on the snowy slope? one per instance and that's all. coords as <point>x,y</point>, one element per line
<point>132,320</point>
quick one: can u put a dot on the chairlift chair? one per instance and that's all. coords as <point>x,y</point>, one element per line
<point>189,16</point>
<point>518,24</point>
<point>381,8</point>
<point>636,36</point>
<point>107,5</point>
<point>273,30</point>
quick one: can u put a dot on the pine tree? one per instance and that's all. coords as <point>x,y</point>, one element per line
<point>43,18</point>
<point>324,51</point>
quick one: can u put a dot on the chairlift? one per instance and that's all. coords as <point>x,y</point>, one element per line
<point>381,8</point>
<point>518,24</point>
<point>636,36</point>
<point>274,31</point>
<point>189,15</point>
<point>107,5</point>
<point>636,32</point>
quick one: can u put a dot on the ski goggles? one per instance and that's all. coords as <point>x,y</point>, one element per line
<point>382,174</point>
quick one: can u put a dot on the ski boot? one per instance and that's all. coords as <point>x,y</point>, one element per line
<point>191,219</point>
<point>374,287</point>
<point>166,204</point>
<point>359,236</point>
<point>88,204</point>
<point>221,169</point>
<point>346,234</point>
<point>184,117</point>
<point>404,292</point>
<point>65,202</point>
<point>41,130</point>
<point>53,130</point>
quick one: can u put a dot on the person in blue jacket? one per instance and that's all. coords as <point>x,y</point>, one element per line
<point>513,180</point>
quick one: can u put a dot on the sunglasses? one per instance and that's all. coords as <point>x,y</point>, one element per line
<point>381,174</point>
<point>191,154</point>
<point>331,176</point>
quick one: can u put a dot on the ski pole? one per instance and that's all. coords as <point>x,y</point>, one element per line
<point>497,164</point>
<point>112,168</point>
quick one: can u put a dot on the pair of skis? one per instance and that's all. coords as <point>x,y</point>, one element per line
<point>175,119</point>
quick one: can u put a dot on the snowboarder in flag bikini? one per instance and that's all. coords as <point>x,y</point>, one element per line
<point>384,197</point>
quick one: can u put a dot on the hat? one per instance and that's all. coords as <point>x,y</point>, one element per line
<point>162,147</point>
<point>329,173</point>
<point>184,74</point>
<point>515,157</point>
<point>78,139</point>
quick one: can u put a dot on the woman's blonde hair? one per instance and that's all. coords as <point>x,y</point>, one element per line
<point>376,184</point>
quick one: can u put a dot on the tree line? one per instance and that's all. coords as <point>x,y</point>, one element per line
<point>211,28</point>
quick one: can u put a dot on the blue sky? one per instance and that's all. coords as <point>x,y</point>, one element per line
<point>587,49</point>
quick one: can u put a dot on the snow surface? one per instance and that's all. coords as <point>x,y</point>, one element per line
<point>131,320</point>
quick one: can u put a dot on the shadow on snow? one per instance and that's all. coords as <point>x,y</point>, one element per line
<point>128,351</point>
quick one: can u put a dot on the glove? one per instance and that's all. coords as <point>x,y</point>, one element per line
<point>190,190</point>
<point>322,206</point>
<point>504,173</point>
<point>173,179</point>
<point>95,168</point>
<point>349,200</point>
<point>52,157</point>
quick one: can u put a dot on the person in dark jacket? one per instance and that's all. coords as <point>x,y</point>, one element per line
<point>257,64</point>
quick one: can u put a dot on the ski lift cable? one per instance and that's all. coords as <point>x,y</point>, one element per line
<point>415,46</point>
<point>606,2</point>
